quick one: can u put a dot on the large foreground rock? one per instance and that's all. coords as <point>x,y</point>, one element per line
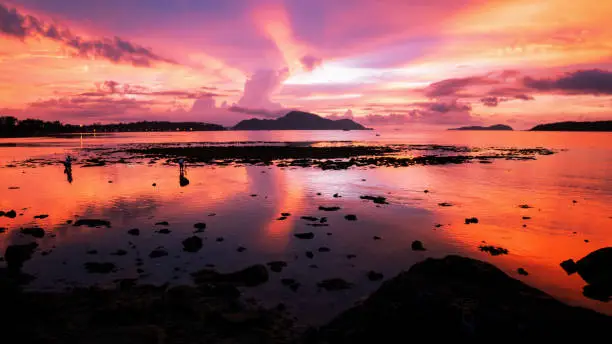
<point>595,269</point>
<point>459,298</point>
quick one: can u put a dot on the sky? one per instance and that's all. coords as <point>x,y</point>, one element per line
<point>396,63</point>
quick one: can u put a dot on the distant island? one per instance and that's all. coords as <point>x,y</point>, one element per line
<point>12,127</point>
<point>298,120</point>
<point>575,126</point>
<point>493,127</point>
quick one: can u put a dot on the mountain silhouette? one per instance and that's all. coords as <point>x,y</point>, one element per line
<point>299,120</point>
<point>575,126</point>
<point>477,127</point>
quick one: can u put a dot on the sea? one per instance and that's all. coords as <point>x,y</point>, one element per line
<point>568,194</point>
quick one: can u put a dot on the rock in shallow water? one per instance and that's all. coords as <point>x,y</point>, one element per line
<point>595,269</point>
<point>492,250</point>
<point>417,246</point>
<point>158,252</point>
<point>334,284</point>
<point>308,235</point>
<point>192,244</point>
<point>33,231</point>
<point>99,268</point>
<point>16,255</point>
<point>92,223</point>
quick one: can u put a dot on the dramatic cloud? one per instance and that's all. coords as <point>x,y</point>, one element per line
<point>310,62</point>
<point>116,50</point>
<point>594,81</point>
<point>347,115</point>
<point>453,87</point>
<point>490,101</point>
<point>110,87</point>
<point>259,88</point>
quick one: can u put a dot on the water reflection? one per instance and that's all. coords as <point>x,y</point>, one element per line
<point>247,202</point>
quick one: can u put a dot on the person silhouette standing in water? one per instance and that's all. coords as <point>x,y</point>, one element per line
<point>183,181</point>
<point>68,168</point>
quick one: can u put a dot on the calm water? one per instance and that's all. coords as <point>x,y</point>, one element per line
<point>556,231</point>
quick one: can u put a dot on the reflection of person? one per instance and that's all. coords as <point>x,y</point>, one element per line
<point>182,180</point>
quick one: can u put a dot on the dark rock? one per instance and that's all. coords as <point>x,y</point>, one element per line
<point>140,271</point>
<point>219,239</point>
<point>335,195</point>
<point>526,218</point>
<point>586,240</point>
<point>68,222</point>
<point>444,204</point>
<point>249,277</point>
<point>212,214</point>
<point>154,184</point>
<point>375,276</point>
<point>313,266</point>
<point>323,220</point>
<point>376,237</point>
<point>286,214</point>
<point>375,199</point>
<point>317,224</point>
<point>334,284</point>
<point>309,218</point>
<point>92,252</point>
<point>417,246</point>
<point>426,191</point>
<point>162,223</point>
<point>164,231</point>
<point>11,214</point>
<point>329,234</point>
<point>291,283</point>
<point>119,253</point>
<point>471,220</point>
<point>596,269</point>
<point>134,232</point>
<point>192,244</point>
<point>308,235</point>
<point>309,254</point>
<point>253,195</point>
<point>241,249</point>
<point>328,208</point>
<point>2,230</point>
<point>318,194</point>
<point>569,266</point>
<point>282,218</point>
<point>16,255</point>
<point>43,216</point>
<point>522,272</point>
<point>93,223</point>
<point>158,252</point>
<point>438,225</point>
<point>324,249</point>
<point>277,266</point>
<point>100,268</point>
<point>200,227</point>
<point>458,299</point>
<point>492,250</point>
<point>574,201</point>
<point>351,256</point>
<point>34,231</point>
<point>351,217</point>
<point>13,187</point>
<point>525,206</point>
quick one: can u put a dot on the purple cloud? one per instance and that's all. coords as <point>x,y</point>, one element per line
<point>116,50</point>
<point>593,81</point>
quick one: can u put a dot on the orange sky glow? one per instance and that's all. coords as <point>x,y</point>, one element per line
<point>395,63</point>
